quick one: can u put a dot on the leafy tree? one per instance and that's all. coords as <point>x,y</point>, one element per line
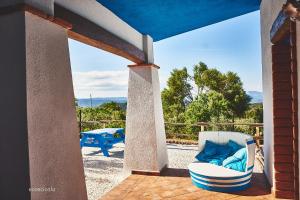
<point>198,110</point>
<point>213,80</point>
<point>235,94</point>
<point>223,91</point>
<point>217,105</point>
<point>199,70</point>
<point>206,107</point>
<point>113,110</point>
<point>255,112</point>
<point>229,85</point>
<point>106,111</point>
<point>177,95</point>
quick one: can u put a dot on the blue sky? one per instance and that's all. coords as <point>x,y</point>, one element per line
<point>232,45</point>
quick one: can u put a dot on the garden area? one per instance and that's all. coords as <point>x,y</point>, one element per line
<point>204,101</point>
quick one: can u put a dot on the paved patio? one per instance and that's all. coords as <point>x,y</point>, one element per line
<point>175,184</point>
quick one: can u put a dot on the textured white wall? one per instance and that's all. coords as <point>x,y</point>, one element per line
<point>162,155</point>
<point>145,148</point>
<point>269,10</point>
<point>54,151</point>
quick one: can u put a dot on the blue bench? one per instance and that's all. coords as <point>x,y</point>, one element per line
<point>102,138</point>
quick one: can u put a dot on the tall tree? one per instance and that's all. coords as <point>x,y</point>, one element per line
<point>177,95</point>
<point>199,70</point>
<point>228,84</point>
<point>255,113</point>
<point>236,96</point>
<point>213,79</point>
<point>217,105</point>
<point>207,106</point>
<point>198,111</point>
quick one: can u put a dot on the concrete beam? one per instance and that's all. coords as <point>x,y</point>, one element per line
<point>100,23</point>
<point>94,25</point>
<point>104,18</point>
<point>148,49</point>
<point>89,33</point>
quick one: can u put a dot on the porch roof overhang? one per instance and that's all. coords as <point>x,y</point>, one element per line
<point>166,18</point>
<point>128,27</point>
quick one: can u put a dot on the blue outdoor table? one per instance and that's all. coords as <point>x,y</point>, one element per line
<point>102,138</point>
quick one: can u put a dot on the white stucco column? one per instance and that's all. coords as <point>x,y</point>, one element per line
<point>145,145</point>
<point>39,140</point>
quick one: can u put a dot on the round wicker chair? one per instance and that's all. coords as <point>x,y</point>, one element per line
<point>217,178</point>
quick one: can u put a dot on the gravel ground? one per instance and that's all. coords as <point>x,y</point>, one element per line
<point>103,173</point>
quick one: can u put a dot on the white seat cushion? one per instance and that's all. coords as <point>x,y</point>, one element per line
<point>217,178</point>
<point>211,170</point>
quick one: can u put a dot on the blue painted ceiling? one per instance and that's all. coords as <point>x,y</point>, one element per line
<point>165,18</point>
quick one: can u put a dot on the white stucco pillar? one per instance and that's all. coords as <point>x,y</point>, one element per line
<point>39,142</point>
<point>145,145</point>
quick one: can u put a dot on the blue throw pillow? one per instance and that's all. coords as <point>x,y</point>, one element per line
<point>210,148</point>
<point>214,159</point>
<point>237,161</point>
<point>214,153</point>
<point>201,157</point>
<point>234,146</point>
<point>224,150</point>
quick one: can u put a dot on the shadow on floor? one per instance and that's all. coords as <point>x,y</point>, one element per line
<point>114,154</point>
<point>102,165</point>
<point>259,186</point>
<point>175,172</point>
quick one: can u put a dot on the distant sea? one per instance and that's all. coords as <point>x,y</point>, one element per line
<point>99,101</point>
<point>256,98</point>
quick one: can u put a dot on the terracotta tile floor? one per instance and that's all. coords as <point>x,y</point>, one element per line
<point>175,184</point>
